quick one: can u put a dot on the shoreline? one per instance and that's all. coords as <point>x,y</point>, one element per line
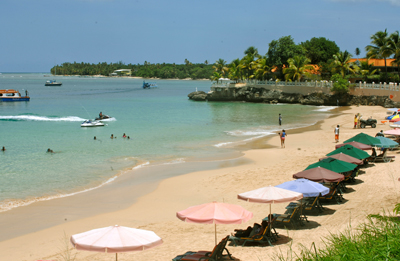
<point>236,150</point>
<point>258,167</point>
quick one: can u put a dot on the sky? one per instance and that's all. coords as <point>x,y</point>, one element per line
<point>35,35</point>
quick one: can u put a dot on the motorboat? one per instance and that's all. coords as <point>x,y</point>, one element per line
<point>148,85</point>
<point>9,95</point>
<point>92,123</point>
<point>52,83</point>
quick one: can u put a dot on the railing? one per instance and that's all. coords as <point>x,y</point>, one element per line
<point>392,86</point>
<point>272,83</point>
<point>322,84</point>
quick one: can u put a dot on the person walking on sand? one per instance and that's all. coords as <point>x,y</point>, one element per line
<point>337,134</point>
<point>280,119</point>
<point>282,135</point>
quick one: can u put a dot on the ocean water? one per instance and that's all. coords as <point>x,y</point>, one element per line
<point>163,125</point>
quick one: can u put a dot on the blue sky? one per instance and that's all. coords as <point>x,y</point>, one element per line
<point>37,34</point>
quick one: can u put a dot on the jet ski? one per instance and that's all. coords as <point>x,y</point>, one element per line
<point>104,117</point>
<point>92,123</point>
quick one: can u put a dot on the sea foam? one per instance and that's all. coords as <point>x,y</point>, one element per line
<point>40,118</point>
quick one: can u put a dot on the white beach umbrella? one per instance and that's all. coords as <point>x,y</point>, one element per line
<point>115,239</point>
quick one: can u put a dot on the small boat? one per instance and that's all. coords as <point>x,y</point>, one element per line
<point>92,123</point>
<point>52,83</point>
<point>13,95</point>
<point>148,85</point>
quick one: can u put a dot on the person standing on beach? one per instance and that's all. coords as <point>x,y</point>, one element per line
<point>337,134</point>
<point>3,149</point>
<point>355,121</point>
<point>280,119</point>
<point>282,136</point>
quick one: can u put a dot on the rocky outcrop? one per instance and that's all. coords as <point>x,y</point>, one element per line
<point>262,95</point>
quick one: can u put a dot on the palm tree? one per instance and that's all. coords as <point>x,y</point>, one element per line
<point>367,69</point>
<point>357,52</point>
<point>394,42</point>
<point>235,72</point>
<point>341,64</point>
<point>380,47</point>
<point>298,67</point>
<point>263,68</point>
<point>220,66</point>
<point>248,65</point>
<point>216,76</point>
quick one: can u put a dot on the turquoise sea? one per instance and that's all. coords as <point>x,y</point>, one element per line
<point>163,125</point>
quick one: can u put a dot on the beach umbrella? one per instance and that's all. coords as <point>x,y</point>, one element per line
<point>351,151</point>
<point>270,195</point>
<point>115,239</point>
<point>395,132</point>
<point>393,109</point>
<point>319,174</point>
<point>355,144</point>
<point>307,187</point>
<point>392,117</point>
<point>395,124</point>
<point>386,143</point>
<point>335,165</point>
<point>395,120</point>
<point>364,138</point>
<point>215,213</point>
<point>345,157</point>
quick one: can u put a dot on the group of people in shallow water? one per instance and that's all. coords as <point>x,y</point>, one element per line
<point>114,137</point>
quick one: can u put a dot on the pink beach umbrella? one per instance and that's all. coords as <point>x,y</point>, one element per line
<point>215,213</point>
<point>395,132</point>
<point>115,239</point>
<point>270,195</point>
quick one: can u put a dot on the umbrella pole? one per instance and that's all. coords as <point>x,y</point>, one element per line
<point>269,221</point>
<point>116,256</point>
<point>215,230</point>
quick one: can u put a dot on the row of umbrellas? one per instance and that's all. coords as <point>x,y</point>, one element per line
<point>346,157</point>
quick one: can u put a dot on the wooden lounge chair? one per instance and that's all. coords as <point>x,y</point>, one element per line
<point>383,157</point>
<point>215,255</point>
<point>332,195</point>
<point>312,205</point>
<point>265,236</point>
<point>293,218</point>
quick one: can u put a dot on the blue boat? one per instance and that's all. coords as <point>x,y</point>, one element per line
<point>12,96</point>
<point>148,85</point>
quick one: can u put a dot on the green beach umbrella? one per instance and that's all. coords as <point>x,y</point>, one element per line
<point>364,138</point>
<point>351,151</point>
<point>386,143</point>
<point>332,164</point>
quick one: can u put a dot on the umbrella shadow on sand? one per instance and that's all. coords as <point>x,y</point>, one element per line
<point>327,211</point>
<point>306,225</point>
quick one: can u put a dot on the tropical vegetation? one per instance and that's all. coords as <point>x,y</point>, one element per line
<point>376,239</point>
<point>314,59</point>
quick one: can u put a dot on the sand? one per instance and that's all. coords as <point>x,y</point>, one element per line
<point>375,191</point>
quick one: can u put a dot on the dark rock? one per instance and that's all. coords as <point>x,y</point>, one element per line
<point>198,96</point>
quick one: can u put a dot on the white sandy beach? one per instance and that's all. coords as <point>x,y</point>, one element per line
<point>376,190</point>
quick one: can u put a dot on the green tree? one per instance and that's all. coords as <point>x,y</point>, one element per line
<point>216,76</point>
<point>394,43</point>
<point>341,64</point>
<point>340,85</point>
<point>298,67</point>
<point>367,69</point>
<point>281,50</point>
<point>380,47</point>
<point>320,49</point>
<point>235,72</point>
<point>220,66</point>
<point>357,52</point>
<point>263,68</point>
